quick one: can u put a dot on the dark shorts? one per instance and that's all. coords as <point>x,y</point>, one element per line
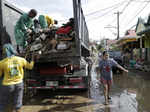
<point>104,81</point>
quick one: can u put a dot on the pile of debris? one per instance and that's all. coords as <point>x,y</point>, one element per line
<point>43,41</point>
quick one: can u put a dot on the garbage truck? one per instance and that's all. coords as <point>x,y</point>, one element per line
<point>67,68</point>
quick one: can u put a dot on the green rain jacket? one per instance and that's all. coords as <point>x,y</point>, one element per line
<point>43,21</point>
<point>24,23</point>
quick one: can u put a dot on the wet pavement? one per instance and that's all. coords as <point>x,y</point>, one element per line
<point>130,93</point>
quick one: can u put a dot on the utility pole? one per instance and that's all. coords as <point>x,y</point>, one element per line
<point>118,14</point>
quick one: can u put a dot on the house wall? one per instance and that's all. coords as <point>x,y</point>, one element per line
<point>147,46</point>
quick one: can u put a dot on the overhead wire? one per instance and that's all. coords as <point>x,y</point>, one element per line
<point>128,3</point>
<point>112,31</point>
<point>103,14</point>
<point>141,1</point>
<point>132,26</point>
<point>115,5</point>
<point>123,10</point>
<point>125,7</point>
<point>138,13</point>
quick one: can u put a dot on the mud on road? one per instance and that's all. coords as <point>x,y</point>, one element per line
<point>130,93</point>
<point>58,101</point>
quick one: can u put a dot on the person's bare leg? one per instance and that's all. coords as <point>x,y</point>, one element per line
<point>106,93</point>
<point>109,86</point>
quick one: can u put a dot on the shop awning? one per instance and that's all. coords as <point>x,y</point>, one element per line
<point>129,37</point>
<point>124,40</point>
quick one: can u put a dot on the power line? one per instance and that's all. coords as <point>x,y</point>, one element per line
<point>123,10</point>
<point>125,17</point>
<point>112,32</point>
<point>103,14</point>
<point>132,26</point>
<point>113,20</point>
<point>119,14</point>
<point>115,5</point>
<point>141,1</point>
<point>126,5</point>
<point>138,13</point>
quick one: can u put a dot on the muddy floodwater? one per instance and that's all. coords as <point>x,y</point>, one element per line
<point>130,93</point>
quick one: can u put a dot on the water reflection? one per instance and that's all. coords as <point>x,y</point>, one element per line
<point>130,93</point>
<point>106,109</point>
<point>137,86</point>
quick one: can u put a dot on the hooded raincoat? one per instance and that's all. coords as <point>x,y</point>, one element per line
<point>43,21</point>
<point>24,23</point>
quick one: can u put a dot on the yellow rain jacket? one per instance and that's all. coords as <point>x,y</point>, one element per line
<point>50,21</point>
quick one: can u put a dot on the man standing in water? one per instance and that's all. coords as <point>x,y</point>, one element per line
<point>105,66</point>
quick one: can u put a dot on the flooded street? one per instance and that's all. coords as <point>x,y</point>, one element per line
<point>130,93</point>
<point>50,52</point>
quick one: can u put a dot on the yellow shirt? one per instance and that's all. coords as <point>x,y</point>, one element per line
<point>49,20</point>
<point>12,69</point>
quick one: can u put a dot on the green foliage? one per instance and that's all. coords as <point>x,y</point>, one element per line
<point>99,47</point>
<point>115,48</point>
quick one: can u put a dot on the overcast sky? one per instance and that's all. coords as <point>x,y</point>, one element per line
<point>100,14</point>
